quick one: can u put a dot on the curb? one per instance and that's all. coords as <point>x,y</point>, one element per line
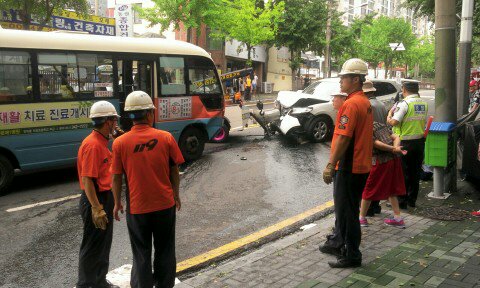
<point>185,269</point>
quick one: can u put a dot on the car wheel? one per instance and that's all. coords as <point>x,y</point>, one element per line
<point>320,129</point>
<point>6,174</point>
<point>222,134</point>
<point>192,143</point>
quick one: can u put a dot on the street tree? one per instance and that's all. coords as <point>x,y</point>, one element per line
<point>427,8</point>
<point>375,40</point>
<point>42,11</point>
<point>192,13</point>
<point>249,23</point>
<point>302,28</point>
<point>421,57</point>
<point>345,42</point>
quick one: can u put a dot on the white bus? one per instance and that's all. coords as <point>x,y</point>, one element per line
<point>48,81</point>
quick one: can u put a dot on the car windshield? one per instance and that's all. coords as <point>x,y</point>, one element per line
<point>311,88</point>
<point>323,89</point>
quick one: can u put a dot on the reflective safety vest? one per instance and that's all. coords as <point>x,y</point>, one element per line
<point>413,124</point>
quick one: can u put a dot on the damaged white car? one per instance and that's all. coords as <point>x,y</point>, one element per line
<point>309,114</point>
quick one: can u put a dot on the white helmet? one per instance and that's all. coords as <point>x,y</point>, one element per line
<point>102,109</point>
<point>138,100</point>
<point>354,66</point>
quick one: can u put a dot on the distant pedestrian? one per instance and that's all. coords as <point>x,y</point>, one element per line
<point>349,164</point>
<point>474,96</point>
<point>380,116</point>
<point>149,158</point>
<point>248,88</point>
<point>96,201</point>
<point>254,84</point>
<point>409,120</point>
<point>241,87</point>
<point>385,180</point>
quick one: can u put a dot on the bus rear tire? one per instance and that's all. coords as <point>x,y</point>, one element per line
<point>192,143</point>
<point>6,174</point>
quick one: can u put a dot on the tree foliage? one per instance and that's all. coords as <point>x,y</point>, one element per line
<point>192,13</point>
<point>345,40</point>
<point>427,8</point>
<point>42,10</point>
<point>375,40</point>
<point>302,28</point>
<point>249,23</point>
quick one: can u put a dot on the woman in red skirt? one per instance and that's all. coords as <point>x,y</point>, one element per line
<point>386,176</point>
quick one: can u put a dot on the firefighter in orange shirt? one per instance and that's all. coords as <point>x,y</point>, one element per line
<point>96,202</point>
<point>349,164</point>
<point>149,158</point>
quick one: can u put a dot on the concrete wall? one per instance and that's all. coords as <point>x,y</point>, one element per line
<point>279,72</point>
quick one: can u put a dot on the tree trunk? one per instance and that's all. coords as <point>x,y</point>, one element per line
<point>26,16</point>
<point>189,34</point>
<point>249,55</point>
<point>292,60</point>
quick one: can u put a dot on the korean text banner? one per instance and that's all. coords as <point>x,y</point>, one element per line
<point>44,117</point>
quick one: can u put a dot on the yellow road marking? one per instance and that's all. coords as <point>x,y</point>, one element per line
<point>217,252</point>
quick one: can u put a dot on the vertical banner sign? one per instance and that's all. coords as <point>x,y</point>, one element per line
<point>124,20</point>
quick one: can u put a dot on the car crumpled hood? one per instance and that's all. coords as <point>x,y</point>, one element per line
<point>289,98</point>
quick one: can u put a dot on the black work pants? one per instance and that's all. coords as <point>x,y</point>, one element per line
<point>347,194</point>
<point>412,166</point>
<point>96,243</point>
<point>141,228</point>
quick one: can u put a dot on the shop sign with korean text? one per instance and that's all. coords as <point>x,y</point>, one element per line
<point>124,20</point>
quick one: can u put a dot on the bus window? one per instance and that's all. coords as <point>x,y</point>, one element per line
<point>74,76</point>
<point>172,76</point>
<point>202,76</point>
<point>95,76</point>
<point>15,77</point>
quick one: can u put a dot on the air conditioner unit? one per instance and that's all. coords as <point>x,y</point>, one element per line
<point>267,87</point>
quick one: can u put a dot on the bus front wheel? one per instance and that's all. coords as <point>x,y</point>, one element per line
<point>192,143</point>
<point>6,174</point>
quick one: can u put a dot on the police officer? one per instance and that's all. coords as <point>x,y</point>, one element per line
<point>350,161</point>
<point>409,119</point>
<point>96,202</point>
<point>149,158</point>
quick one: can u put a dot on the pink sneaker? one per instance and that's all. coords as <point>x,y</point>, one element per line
<point>395,223</point>
<point>363,222</point>
<point>476,213</point>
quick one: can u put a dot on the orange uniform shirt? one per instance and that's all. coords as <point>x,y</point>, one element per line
<point>94,160</point>
<point>355,120</point>
<point>145,154</point>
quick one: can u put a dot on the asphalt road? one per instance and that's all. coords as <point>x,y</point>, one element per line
<point>223,199</point>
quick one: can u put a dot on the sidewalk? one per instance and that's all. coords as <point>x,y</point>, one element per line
<point>428,253</point>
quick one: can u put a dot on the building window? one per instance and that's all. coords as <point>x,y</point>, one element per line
<point>136,14</point>
<point>212,42</point>
<point>283,54</point>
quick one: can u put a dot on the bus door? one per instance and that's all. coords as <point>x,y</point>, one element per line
<point>133,75</point>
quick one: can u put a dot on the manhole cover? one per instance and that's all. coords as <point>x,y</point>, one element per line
<point>444,213</point>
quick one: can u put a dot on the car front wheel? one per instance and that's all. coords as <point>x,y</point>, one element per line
<point>320,129</point>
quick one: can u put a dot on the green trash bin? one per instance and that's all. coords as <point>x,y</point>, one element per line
<point>440,145</point>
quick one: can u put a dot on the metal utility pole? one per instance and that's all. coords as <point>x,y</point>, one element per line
<point>464,57</point>
<point>328,32</point>
<point>445,80</point>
